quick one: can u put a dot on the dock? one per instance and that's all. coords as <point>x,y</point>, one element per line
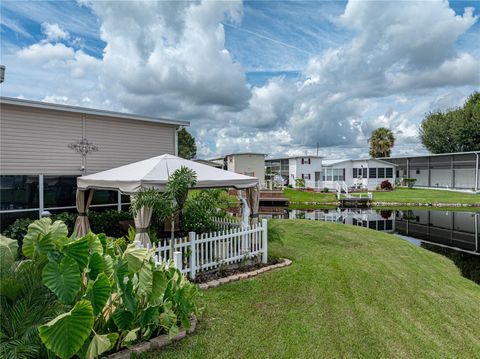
<point>272,198</point>
<point>352,200</point>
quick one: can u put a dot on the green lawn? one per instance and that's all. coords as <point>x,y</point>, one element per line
<point>400,195</point>
<point>350,292</point>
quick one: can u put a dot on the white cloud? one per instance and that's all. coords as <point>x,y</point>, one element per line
<point>54,32</point>
<point>169,59</point>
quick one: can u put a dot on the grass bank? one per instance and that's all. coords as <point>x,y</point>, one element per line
<point>400,195</point>
<point>350,292</point>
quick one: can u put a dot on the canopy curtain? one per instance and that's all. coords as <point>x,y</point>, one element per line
<point>253,200</point>
<point>84,199</point>
<point>142,221</point>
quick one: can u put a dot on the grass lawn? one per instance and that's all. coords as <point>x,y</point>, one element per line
<point>350,292</point>
<point>400,195</point>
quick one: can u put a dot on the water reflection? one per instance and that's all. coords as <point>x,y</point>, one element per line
<point>450,233</point>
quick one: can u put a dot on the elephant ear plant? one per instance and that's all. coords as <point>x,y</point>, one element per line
<point>111,298</point>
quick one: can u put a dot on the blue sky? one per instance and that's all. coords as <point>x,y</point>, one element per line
<point>270,76</point>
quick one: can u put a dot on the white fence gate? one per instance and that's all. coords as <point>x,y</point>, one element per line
<point>207,251</point>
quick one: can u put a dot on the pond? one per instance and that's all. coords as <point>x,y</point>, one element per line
<point>451,233</point>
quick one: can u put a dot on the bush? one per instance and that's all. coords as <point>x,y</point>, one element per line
<point>409,182</point>
<point>18,229</point>
<point>386,185</point>
<point>103,298</point>
<point>325,190</point>
<point>300,183</point>
<point>201,207</point>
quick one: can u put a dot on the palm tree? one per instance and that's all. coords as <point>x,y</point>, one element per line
<point>381,142</point>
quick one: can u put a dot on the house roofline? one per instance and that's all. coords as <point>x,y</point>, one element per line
<point>432,155</point>
<point>87,111</point>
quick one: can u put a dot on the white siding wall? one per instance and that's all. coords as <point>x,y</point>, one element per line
<point>122,142</point>
<point>35,141</point>
<point>297,169</point>
<point>248,163</point>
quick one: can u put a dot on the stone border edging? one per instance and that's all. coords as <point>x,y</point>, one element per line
<point>154,343</point>
<point>397,204</point>
<point>233,278</point>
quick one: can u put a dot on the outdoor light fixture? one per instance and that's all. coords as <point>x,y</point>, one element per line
<point>2,73</point>
<point>83,147</point>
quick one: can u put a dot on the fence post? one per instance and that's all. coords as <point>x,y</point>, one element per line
<point>264,241</point>
<point>193,254</point>
<point>177,260</point>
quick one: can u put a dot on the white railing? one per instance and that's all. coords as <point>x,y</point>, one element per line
<point>208,251</point>
<point>226,223</point>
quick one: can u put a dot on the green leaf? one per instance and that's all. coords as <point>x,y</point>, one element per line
<point>95,265</point>
<point>98,292</point>
<point>160,282</point>
<point>149,316</point>
<point>63,279</point>
<point>145,279</point>
<point>123,319</point>
<point>131,336</point>
<point>95,244</point>
<point>108,262</point>
<point>8,251</point>
<point>78,250</point>
<point>135,257</point>
<point>99,344</point>
<point>66,334</point>
<point>129,297</point>
<point>39,229</point>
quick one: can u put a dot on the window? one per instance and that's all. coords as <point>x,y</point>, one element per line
<point>354,173</point>
<point>105,197</point>
<point>364,174</point>
<point>389,172</point>
<point>417,171</point>
<point>303,161</point>
<point>19,192</point>
<point>381,172</point>
<point>59,191</point>
<point>309,161</point>
<point>329,174</point>
<point>372,172</point>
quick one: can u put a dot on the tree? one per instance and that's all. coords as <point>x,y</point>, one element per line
<point>381,142</point>
<point>454,130</point>
<point>186,145</point>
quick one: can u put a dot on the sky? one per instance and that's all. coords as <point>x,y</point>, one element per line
<point>275,77</point>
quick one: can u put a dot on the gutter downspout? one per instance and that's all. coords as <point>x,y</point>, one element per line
<point>176,139</point>
<point>476,171</point>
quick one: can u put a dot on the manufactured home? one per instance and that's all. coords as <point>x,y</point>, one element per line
<point>319,173</point>
<point>44,147</point>
<point>460,170</point>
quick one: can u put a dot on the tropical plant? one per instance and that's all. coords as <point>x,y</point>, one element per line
<point>25,303</point>
<point>381,142</point>
<point>110,298</point>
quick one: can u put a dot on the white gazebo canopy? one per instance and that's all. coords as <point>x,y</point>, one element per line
<point>154,173</point>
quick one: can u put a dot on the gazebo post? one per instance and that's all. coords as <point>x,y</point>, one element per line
<point>83,199</point>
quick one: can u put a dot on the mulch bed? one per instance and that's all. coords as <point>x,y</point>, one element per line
<point>217,274</point>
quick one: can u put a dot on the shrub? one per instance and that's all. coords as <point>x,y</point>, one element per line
<point>409,182</point>
<point>325,190</point>
<point>300,183</point>
<point>108,222</point>
<point>386,185</point>
<point>199,209</point>
<point>18,229</point>
<point>109,298</point>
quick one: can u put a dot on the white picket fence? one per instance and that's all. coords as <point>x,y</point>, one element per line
<point>202,252</point>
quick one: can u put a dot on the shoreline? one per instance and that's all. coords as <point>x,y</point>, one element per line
<point>395,204</point>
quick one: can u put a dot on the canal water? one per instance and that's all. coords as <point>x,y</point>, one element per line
<point>451,233</point>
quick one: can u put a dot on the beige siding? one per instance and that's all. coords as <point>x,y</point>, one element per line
<point>36,141</point>
<point>122,142</point>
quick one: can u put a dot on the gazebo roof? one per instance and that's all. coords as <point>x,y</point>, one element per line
<point>154,173</point>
